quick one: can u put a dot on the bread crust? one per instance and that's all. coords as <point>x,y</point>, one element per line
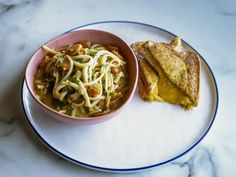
<point>181,67</point>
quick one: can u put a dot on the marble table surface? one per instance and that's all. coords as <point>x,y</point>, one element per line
<point>209,26</point>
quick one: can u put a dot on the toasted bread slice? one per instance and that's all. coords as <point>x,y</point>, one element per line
<point>148,82</point>
<point>167,91</point>
<point>148,78</point>
<point>178,72</point>
<point>193,64</point>
<point>171,63</point>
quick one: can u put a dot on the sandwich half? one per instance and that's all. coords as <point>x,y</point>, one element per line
<point>167,73</point>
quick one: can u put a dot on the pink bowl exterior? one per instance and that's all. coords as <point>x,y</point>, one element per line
<point>95,36</point>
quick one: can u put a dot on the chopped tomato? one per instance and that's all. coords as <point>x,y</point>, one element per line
<point>65,66</point>
<point>44,62</point>
<point>115,70</point>
<point>111,48</point>
<point>74,49</point>
<point>117,54</point>
<point>85,44</point>
<point>50,55</point>
<point>92,92</point>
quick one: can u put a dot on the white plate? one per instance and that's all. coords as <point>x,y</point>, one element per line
<point>143,135</point>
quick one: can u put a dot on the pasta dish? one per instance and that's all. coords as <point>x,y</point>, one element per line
<point>82,79</point>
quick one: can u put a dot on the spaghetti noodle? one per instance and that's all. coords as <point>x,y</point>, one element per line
<point>82,79</point>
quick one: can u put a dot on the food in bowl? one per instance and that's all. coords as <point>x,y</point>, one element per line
<point>83,79</point>
<point>168,74</point>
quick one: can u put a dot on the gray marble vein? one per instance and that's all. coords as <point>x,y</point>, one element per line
<point>226,8</point>
<point>229,14</point>
<point>189,164</point>
<point>7,6</point>
<point>7,126</point>
<point>8,121</point>
<point>201,159</point>
<point>4,156</point>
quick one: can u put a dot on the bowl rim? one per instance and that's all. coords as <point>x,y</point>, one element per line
<point>76,118</point>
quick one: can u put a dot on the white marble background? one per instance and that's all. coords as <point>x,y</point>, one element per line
<point>208,25</point>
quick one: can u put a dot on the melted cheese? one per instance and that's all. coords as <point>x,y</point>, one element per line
<point>168,91</point>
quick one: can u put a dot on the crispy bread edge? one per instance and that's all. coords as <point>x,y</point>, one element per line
<point>193,63</point>
<point>177,76</point>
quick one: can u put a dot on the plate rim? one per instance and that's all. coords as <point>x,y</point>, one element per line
<point>107,169</point>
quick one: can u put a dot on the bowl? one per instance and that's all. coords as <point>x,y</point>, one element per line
<point>95,36</point>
